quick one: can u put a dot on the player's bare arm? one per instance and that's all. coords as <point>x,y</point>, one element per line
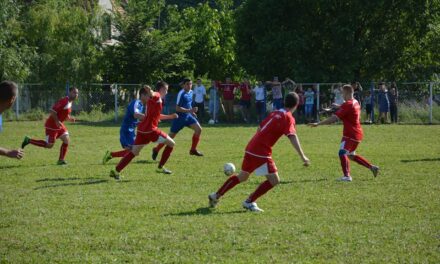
<point>327,121</point>
<point>168,117</point>
<point>294,140</point>
<point>12,153</point>
<point>139,116</point>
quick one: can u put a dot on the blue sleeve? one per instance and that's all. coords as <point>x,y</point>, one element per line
<point>180,99</point>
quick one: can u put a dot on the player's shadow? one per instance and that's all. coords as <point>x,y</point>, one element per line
<point>90,181</point>
<point>9,166</point>
<point>303,181</point>
<point>421,160</point>
<point>146,161</point>
<point>204,211</point>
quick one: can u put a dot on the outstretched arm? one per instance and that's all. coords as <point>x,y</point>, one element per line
<point>139,116</point>
<point>327,121</point>
<point>294,140</point>
<point>15,153</point>
<point>168,117</point>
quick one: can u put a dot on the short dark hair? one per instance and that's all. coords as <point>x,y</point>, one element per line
<point>160,84</point>
<point>291,100</point>
<point>185,80</point>
<point>8,90</point>
<point>146,90</point>
<point>72,88</point>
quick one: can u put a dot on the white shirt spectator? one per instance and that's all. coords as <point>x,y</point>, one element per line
<point>259,93</point>
<point>199,94</point>
<point>338,96</point>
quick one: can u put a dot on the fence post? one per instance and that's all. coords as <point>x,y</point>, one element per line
<point>430,102</point>
<point>116,103</point>
<point>17,102</point>
<point>317,101</point>
<point>372,102</point>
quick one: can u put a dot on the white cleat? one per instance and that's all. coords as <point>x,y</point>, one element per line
<point>213,200</point>
<point>345,179</point>
<point>253,207</point>
<point>375,170</point>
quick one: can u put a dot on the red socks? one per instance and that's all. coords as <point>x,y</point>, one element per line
<point>63,151</point>
<point>37,142</point>
<point>262,189</point>
<point>345,164</point>
<point>159,147</point>
<point>229,184</point>
<point>165,155</point>
<point>124,161</point>
<point>195,141</point>
<point>119,154</point>
<point>362,161</point>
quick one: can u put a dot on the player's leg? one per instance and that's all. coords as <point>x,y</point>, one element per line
<point>169,142</point>
<point>196,137</point>
<point>176,125</point>
<point>345,162</point>
<point>140,141</point>
<point>230,183</point>
<point>48,143</point>
<point>362,161</point>
<point>63,148</point>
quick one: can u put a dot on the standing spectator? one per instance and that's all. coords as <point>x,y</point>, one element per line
<point>199,99</point>
<point>245,99</point>
<point>214,101</point>
<point>384,103</point>
<point>300,112</point>
<point>368,106</point>
<point>259,91</point>
<point>309,96</point>
<point>277,94</point>
<point>357,91</point>
<point>393,96</point>
<point>337,94</point>
<point>227,89</point>
<point>8,94</point>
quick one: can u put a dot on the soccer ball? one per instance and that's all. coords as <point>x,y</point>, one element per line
<point>211,122</point>
<point>228,169</point>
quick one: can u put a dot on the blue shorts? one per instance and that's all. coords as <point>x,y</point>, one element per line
<point>126,137</point>
<point>181,122</point>
<point>309,109</point>
<point>277,103</point>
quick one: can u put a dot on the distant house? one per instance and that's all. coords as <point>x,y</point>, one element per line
<point>109,31</point>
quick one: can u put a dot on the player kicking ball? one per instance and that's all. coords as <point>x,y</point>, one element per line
<point>148,131</point>
<point>135,112</point>
<point>258,154</point>
<point>349,113</point>
<point>55,126</point>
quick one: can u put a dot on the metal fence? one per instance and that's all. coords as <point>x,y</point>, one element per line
<point>417,102</point>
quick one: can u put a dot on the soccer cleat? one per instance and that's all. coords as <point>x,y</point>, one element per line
<point>213,200</point>
<point>61,162</point>
<point>195,152</point>
<point>25,142</point>
<point>154,154</point>
<point>253,207</point>
<point>163,170</point>
<point>115,174</point>
<point>345,179</point>
<point>107,157</point>
<point>375,170</point>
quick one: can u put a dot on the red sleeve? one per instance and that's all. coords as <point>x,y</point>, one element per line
<point>60,105</point>
<point>342,112</point>
<point>290,126</point>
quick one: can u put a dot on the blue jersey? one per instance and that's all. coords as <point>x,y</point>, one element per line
<point>184,100</point>
<point>130,121</point>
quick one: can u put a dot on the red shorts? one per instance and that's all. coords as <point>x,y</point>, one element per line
<point>349,145</point>
<point>143,138</point>
<point>261,166</point>
<point>52,134</point>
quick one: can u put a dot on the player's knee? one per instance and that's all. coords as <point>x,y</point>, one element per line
<point>243,176</point>
<point>49,145</point>
<point>342,152</point>
<point>351,156</point>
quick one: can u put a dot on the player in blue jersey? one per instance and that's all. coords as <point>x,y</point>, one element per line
<point>135,112</point>
<point>187,118</point>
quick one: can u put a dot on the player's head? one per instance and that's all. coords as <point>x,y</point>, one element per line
<point>347,91</point>
<point>162,88</point>
<point>186,84</point>
<point>199,81</point>
<point>8,94</point>
<point>145,93</point>
<point>291,101</point>
<point>73,93</point>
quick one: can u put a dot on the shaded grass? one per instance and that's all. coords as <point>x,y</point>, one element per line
<point>78,214</point>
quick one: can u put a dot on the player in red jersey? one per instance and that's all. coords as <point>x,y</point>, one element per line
<point>349,112</point>
<point>258,154</point>
<point>148,131</point>
<point>55,126</point>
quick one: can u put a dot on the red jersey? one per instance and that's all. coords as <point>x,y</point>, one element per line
<point>153,109</point>
<point>228,90</point>
<point>245,92</point>
<point>62,108</point>
<point>278,123</point>
<point>350,114</point>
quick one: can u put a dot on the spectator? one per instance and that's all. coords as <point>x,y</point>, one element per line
<point>199,99</point>
<point>300,111</point>
<point>8,94</point>
<point>384,103</point>
<point>393,96</point>
<point>245,99</point>
<point>337,94</point>
<point>368,106</point>
<point>260,102</point>
<point>277,94</point>
<point>309,96</point>
<point>227,89</point>
<point>357,91</point>
<point>214,102</point>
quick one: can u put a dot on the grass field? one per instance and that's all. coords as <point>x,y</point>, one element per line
<point>78,214</point>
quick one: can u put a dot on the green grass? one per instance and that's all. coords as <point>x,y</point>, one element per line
<point>77,214</point>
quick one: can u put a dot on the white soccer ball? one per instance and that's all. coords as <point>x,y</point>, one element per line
<point>211,122</point>
<point>228,169</point>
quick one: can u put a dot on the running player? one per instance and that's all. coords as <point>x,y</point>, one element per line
<point>135,112</point>
<point>55,126</point>
<point>258,154</point>
<point>187,117</point>
<point>350,114</point>
<point>147,130</point>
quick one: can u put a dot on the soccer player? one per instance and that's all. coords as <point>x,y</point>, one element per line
<point>147,130</point>
<point>55,126</point>
<point>258,154</point>
<point>350,113</point>
<point>186,117</point>
<point>135,112</point>
<point>8,94</point>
